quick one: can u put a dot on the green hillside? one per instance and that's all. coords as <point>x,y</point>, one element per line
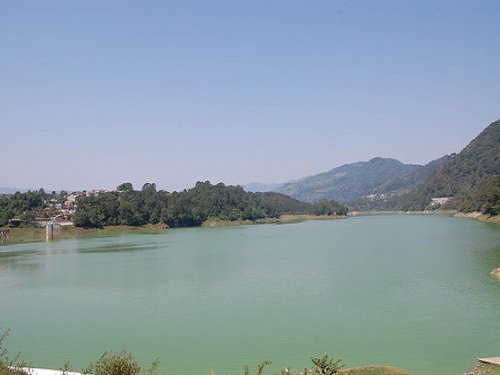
<point>408,181</point>
<point>469,178</point>
<point>349,181</point>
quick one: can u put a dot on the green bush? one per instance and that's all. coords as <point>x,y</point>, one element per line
<point>122,363</point>
<point>325,365</point>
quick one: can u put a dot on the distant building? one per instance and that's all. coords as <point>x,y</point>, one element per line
<point>70,202</point>
<point>439,201</point>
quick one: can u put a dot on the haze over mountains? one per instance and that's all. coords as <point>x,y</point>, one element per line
<point>352,181</point>
<point>11,190</point>
<point>384,183</point>
<point>356,180</point>
<point>469,181</point>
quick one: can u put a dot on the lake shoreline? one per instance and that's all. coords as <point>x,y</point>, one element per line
<point>450,213</point>
<point>479,216</point>
<point>362,370</point>
<point>31,234</point>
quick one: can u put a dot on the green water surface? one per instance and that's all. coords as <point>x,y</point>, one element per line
<point>408,291</point>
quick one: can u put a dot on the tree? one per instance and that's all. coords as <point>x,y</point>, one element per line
<point>126,186</point>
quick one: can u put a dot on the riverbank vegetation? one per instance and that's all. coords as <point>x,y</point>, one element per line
<point>124,363</point>
<point>192,207</point>
<point>128,207</point>
<point>25,207</point>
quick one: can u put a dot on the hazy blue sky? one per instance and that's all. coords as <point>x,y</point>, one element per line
<point>94,93</point>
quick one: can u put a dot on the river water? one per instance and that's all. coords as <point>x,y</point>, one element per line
<point>408,291</point>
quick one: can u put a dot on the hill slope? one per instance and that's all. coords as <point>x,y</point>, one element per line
<point>406,182</point>
<point>353,181</point>
<point>465,177</point>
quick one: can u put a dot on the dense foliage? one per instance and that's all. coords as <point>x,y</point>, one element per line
<point>485,197</point>
<point>190,207</point>
<point>122,363</point>
<point>24,206</point>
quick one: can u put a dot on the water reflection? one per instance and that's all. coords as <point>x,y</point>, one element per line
<point>117,248</point>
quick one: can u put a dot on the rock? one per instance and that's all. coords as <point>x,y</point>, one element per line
<point>496,273</point>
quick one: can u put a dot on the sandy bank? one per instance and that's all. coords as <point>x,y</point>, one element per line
<point>283,219</point>
<point>46,371</point>
<point>496,273</point>
<point>479,216</point>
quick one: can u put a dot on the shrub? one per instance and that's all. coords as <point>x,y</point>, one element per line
<point>122,363</point>
<point>325,365</point>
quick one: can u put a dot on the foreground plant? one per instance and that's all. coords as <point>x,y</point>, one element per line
<point>9,366</point>
<point>122,363</point>
<point>325,365</point>
<point>260,368</point>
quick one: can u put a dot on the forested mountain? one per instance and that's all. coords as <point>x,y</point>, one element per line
<point>353,181</point>
<point>190,207</point>
<point>394,193</point>
<point>408,181</point>
<point>470,178</point>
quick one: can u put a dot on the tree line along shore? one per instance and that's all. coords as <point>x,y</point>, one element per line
<point>23,216</point>
<point>150,210</point>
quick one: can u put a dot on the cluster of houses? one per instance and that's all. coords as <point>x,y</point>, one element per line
<point>61,211</point>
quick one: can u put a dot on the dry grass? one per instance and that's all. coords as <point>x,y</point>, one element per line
<point>484,369</point>
<point>25,235</point>
<point>373,370</point>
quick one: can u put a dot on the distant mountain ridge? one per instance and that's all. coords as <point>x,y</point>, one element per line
<point>356,180</point>
<point>467,181</point>
<point>10,190</point>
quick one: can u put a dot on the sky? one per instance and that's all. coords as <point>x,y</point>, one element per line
<point>95,93</point>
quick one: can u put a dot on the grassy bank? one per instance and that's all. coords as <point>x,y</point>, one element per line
<point>283,219</point>
<point>30,234</point>
<point>469,215</point>
<point>419,213</point>
<point>26,235</point>
<point>19,235</point>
